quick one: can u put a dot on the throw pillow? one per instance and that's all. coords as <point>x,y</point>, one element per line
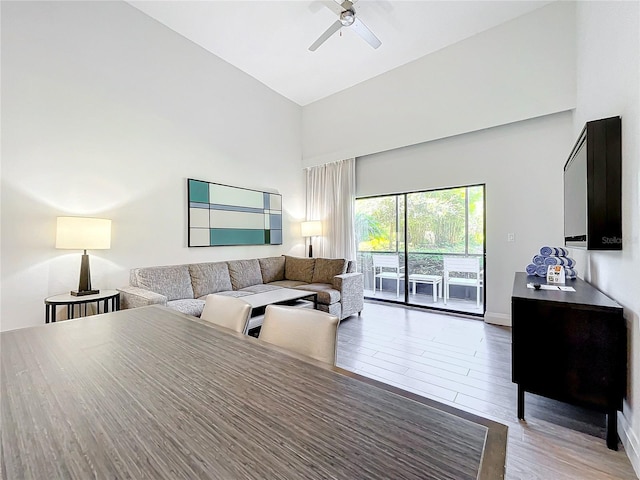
<point>244,273</point>
<point>327,268</point>
<point>272,269</point>
<point>300,269</point>
<point>172,281</point>
<point>209,278</point>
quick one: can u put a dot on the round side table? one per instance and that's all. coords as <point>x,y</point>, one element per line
<point>109,298</point>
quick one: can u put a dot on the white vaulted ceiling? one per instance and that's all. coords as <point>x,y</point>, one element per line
<point>269,40</point>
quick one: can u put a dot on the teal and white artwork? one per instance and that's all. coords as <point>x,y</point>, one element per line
<point>224,215</point>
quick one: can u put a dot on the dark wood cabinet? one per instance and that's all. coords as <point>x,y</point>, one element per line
<point>569,346</point>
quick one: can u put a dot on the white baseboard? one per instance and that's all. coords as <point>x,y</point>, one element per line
<point>498,318</point>
<point>630,442</point>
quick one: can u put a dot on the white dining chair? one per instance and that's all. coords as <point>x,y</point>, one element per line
<point>308,332</point>
<point>229,312</point>
<point>463,265</point>
<point>387,266</point>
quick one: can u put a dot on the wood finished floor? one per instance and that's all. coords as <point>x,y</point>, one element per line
<point>466,363</point>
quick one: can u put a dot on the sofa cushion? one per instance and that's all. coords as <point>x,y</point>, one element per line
<point>288,283</point>
<point>300,269</point>
<point>272,269</point>
<point>326,293</point>
<point>327,268</point>
<point>190,306</point>
<point>333,309</point>
<point>173,281</point>
<point>209,278</point>
<point>351,267</point>
<point>244,273</point>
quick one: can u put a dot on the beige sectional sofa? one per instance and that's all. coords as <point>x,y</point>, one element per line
<point>184,287</point>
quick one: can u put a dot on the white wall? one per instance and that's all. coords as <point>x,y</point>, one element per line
<point>105,112</point>
<point>522,69</point>
<point>608,84</point>
<point>518,163</point>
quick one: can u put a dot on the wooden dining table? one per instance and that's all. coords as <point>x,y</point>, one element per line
<point>150,393</point>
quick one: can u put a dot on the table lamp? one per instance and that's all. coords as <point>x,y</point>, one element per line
<point>79,233</point>
<point>311,229</point>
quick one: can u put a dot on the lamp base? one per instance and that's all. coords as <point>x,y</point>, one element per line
<point>77,293</point>
<point>84,285</point>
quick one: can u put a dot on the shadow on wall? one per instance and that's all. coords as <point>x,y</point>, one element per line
<point>583,263</point>
<point>32,269</point>
<point>149,228</point>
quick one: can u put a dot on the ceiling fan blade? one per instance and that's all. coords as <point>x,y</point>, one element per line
<point>368,36</point>
<point>332,5</point>
<point>325,36</point>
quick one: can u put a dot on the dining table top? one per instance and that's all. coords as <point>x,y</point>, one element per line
<point>150,393</point>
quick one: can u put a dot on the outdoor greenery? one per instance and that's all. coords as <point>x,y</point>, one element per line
<point>436,222</point>
<point>378,223</point>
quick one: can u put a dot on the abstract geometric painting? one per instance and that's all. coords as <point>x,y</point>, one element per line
<point>223,215</point>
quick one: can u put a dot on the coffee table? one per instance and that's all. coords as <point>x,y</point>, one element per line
<point>290,296</point>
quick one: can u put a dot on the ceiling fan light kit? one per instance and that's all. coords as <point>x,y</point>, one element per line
<point>347,18</point>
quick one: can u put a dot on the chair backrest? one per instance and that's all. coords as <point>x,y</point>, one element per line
<point>229,312</point>
<point>301,330</point>
<point>388,261</point>
<point>462,264</point>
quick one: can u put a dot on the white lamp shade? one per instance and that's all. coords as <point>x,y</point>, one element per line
<point>79,233</point>
<point>311,229</point>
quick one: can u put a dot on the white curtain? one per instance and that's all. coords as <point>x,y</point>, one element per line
<point>331,195</point>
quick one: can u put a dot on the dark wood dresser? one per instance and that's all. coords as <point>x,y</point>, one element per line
<point>569,346</point>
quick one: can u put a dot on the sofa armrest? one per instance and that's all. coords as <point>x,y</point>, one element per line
<point>351,287</point>
<point>133,297</point>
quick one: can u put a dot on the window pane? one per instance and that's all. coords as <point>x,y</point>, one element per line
<point>401,230</point>
<point>377,224</point>
<point>436,221</point>
<point>476,220</point>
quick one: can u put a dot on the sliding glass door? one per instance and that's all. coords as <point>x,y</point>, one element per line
<point>437,225</point>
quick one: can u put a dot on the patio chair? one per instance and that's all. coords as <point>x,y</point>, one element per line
<point>389,266</point>
<point>463,265</point>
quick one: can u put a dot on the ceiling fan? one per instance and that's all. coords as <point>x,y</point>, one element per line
<point>347,18</point>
